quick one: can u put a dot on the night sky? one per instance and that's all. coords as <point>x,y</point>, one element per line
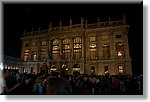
<point>18,17</point>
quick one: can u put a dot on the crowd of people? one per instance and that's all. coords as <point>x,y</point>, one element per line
<point>78,84</point>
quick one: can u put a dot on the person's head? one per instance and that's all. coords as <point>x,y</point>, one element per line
<point>84,77</point>
<point>92,79</point>
<point>58,86</point>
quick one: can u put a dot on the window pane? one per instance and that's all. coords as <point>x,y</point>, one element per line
<point>118,36</point>
<point>92,39</point>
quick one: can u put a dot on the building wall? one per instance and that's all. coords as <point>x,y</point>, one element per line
<point>104,46</point>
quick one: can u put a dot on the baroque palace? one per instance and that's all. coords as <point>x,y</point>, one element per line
<point>98,48</point>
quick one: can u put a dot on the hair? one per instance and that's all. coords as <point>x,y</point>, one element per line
<point>58,86</point>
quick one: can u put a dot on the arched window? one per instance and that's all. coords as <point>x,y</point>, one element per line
<point>26,55</point>
<point>26,45</point>
<point>55,49</point>
<point>120,50</point>
<point>77,48</point>
<point>66,48</point>
<point>120,69</point>
<point>76,69</point>
<point>33,55</point>
<point>93,49</point>
<point>106,51</point>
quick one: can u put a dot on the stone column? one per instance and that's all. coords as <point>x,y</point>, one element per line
<point>70,68</point>
<point>100,69</point>
<point>47,53</point>
<point>38,56</point>
<point>50,48</point>
<point>30,52</point>
<point>126,47</point>
<point>47,49</point>
<point>82,48</point>
<point>128,68</point>
<point>81,67</point>
<point>112,68</point>
<point>97,44</point>
<point>61,48</point>
<point>111,46</point>
<point>86,68</point>
<point>71,48</point>
<point>100,48</point>
<point>114,48</point>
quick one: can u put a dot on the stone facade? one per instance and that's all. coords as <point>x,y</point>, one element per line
<point>11,64</point>
<point>98,48</point>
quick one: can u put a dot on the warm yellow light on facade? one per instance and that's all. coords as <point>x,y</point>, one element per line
<point>27,51</point>
<point>92,45</point>
<point>106,72</point>
<point>76,69</point>
<point>53,69</point>
<point>5,67</point>
<point>119,54</point>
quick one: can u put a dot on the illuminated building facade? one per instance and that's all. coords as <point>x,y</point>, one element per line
<point>98,48</point>
<point>11,64</point>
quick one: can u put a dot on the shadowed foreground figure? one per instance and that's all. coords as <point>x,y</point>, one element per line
<point>58,86</point>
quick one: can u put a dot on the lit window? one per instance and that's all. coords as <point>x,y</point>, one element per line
<point>92,39</point>
<point>106,70</point>
<point>105,51</point>
<point>120,69</point>
<point>33,44</point>
<point>92,69</point>
<point>53,69</point>
<point>26,55</point>
<point>76,69</point>
<point>55,47</point>
<point>26,50</point>
<point>119,44</point>
<point>67,47</point>
<point>77,40</point>
<point>64,66</point>
<point>55,42</point>
<point>77,48</point>
<point>44,43</point>
<point>77,45</point>
<point>34,58</point>
<point>118,36</point>
<point>92,51</point>
<point>93,46</point>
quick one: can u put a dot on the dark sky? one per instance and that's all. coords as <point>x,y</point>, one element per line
<point>18,17</point>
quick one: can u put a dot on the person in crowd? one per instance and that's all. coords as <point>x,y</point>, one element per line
<point>78,84</point>
<point>38,88</point>
<point>90,87</point>
<point>58,86</point>
<point>83,82</point>
<point>17,77</point>
<point>115,85</point>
